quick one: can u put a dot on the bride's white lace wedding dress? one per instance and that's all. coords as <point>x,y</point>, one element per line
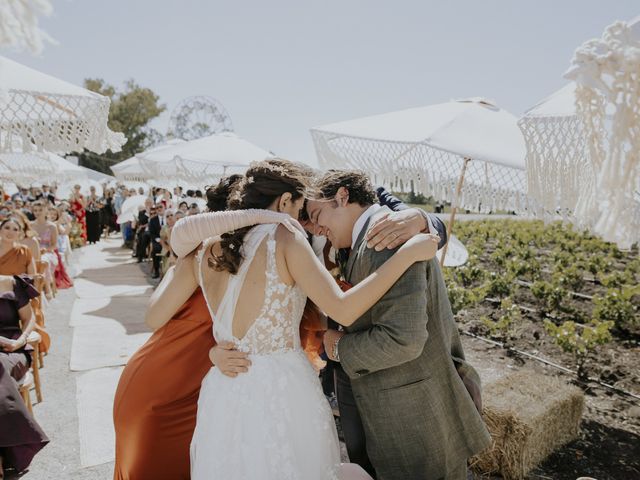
<point>272,423</point>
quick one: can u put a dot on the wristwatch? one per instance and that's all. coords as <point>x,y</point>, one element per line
<point>335,353</point>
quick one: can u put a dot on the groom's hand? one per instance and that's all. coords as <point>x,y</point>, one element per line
<point>229,361</point>
<point>329,341</point>
<point>394,229</point>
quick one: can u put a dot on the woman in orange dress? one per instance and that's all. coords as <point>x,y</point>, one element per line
<point>154,410</point>
<point>17,259</point>
<point>156,401</point>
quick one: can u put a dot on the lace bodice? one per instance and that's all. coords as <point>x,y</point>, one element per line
<point>276,329</point>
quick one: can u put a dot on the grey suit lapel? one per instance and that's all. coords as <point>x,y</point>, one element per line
<point>354,251</point>
<point>361,236</point>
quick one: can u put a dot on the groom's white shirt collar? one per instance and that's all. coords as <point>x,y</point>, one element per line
<point>362,219</point>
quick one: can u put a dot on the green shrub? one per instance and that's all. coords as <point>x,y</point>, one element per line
<point>570,277</point>
<point>618,306</point>
<point>580,340</point>
<point>552,295</point>
<point>503,327</point>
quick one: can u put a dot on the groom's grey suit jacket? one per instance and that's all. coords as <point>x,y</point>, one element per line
<point>420,422</point>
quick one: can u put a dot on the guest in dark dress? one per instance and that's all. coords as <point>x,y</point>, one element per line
<point>20,436</point>
<point>108,212</point>
<point>94,221</point>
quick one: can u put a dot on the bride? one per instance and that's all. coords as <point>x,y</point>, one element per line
<point>272,423</point>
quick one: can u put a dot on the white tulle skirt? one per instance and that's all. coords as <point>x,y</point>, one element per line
<point>272,423</point>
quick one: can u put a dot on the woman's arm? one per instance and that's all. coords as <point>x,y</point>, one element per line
<point>31,268</point>
<point>346,307</point>
<point>54,237</point>
<point>34,246</point>
<point>174,290</point>
<point>60,227</point>
<point>189,232</point>
<point>26,318</point>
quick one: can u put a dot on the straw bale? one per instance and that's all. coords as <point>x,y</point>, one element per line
<point>529,416</point>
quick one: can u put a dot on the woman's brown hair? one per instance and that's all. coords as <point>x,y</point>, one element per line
<point>263,183</point>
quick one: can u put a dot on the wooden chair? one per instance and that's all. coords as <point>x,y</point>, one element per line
<point>24,386</point>
<point>36,362</point>
<point>54,288</point>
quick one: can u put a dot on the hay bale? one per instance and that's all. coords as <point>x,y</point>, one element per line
<point>529,416</point>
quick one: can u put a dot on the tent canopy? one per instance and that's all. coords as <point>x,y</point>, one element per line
<point>132,169</point>
<point>203,160</point>
<point>26,168</point>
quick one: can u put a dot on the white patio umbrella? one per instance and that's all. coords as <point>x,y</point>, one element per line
<point>130,208</point>
<point>132,169</point>
<point>26,168</point>
<point>41,112</point>
<point>96,175</point>
<point>583,140</point>
<point>467,152</point>
<point>204,160</point>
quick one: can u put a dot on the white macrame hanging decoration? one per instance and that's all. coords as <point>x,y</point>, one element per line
<point>570,135</point>
<point>607,99</point>
<point>19,24</point>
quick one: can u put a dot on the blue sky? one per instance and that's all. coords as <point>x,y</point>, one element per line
<point>281,67</point>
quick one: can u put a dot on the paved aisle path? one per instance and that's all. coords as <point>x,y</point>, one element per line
<point>95,327</point>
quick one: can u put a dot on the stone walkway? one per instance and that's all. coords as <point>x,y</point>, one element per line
<point>95,327</point>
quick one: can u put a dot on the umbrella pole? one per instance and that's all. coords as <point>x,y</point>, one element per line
<point>454,209</point>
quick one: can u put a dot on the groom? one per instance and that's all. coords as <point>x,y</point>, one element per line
<point>400,360</point>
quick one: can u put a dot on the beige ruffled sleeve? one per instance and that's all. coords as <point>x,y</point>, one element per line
<point>189,232</point>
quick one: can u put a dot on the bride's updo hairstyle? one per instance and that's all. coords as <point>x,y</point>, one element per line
<point>263,183</point>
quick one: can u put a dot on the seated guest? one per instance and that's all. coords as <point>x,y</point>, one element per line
<point>167,257</point>
<point>194,209</point>
<point>48,236</point>
<point>63,221</point>
<point>20,436</point>
<point>29,238</point>
<point>17,259</point>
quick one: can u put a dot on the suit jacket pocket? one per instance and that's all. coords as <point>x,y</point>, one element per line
<point>407,385</point>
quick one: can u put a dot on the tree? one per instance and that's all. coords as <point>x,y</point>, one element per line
<point>132,108</point>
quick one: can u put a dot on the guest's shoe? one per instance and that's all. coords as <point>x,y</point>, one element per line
<point>155,275</point>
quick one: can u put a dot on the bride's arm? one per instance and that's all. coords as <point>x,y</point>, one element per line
<point>174,290</point>
<point>346,307</point>
<point>189,232</point>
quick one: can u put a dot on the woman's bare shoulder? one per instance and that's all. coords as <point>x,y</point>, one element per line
<point>286,237</point>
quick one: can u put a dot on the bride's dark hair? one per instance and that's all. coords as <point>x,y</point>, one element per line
<point>218,195</point>
<point>263,183</point>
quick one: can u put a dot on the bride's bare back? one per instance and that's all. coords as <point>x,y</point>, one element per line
<point>259,307</point>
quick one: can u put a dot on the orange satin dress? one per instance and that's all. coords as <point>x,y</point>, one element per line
<point>16,262</point>
<point>155,406</point>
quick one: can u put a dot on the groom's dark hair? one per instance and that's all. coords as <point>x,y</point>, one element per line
<point>355,181</point>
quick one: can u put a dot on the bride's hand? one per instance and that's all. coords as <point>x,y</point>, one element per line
<point>228,360</point>
<point>421,247</point>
